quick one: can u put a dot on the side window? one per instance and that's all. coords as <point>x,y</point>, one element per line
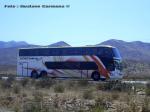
<point>64,51</point>
<point>99,51</point>
<point>89,51</point>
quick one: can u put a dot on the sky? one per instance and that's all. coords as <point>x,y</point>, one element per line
<point>86,22</point>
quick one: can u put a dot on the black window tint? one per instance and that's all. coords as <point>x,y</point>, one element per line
<point>89,51</point>
<point>101,51</point>
<point>105,52</point>
<point>116,53</point>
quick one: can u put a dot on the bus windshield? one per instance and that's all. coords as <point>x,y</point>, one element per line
<point>116,53</point>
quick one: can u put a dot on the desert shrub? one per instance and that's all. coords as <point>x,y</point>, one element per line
<point>44,83</point>
<point>88,94</point>
<point>38,96</point>
<point>145,106</point>
<point>16,109</point>
<point>16,88</point>
<point>56,101</point>
<point>134,106</point>
<point>147,90</point>
<point>115,95</point>
<point>36,106</point>
<point>24,82</point>
<point>5,84</point>
<point>32,107</point>
<point>121,107</point>
<point>6,101</point>
<point>59,88</point>
<point>11,79</point>
<point>100,86</point>
<point>70,84</point>
<point>83,83</point>
<point>24,94</point>
<point>101,102</point>
<point>115,86</point>
<point>97,109</point>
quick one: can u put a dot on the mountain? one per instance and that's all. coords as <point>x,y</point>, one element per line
<point>135,50</point>
<point>8,56</point>
<point>59,44</point>
<point>10,44</point>
<point>9,50</point>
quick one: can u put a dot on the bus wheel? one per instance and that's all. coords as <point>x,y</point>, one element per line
<point>43,74</point>
<point>34,74</point>
<point>95,76</point>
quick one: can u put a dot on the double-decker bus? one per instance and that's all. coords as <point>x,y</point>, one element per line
<point>97,63</point>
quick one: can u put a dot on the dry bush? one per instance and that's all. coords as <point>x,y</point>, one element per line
<point>134,106</point>
<point>115,95</point>
<point>83,83</point>
<point>88,94</point>
<point>24,82</point>
<point>146,105</point>
<point>44,83</point>
<point>114,86</point>
<point>5,84</point>
<point>70,84</point>
<point>38,96</point>
<point>122,107</point>
<point>16,88</point>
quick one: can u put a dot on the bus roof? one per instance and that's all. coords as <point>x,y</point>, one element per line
<point>103,46</point>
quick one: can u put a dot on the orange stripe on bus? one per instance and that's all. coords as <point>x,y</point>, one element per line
<point>103,71</point>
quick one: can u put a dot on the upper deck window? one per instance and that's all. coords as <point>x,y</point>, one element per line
<point>70,51</point>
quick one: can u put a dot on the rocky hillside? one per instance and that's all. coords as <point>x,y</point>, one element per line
<point>135,50</point>
<point>59,44</point>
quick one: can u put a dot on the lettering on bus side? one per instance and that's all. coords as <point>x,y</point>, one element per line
<point>31,58</point>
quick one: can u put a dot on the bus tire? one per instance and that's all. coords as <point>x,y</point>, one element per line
<point>43,74</point>
<point>95,76</point>
<point>34,74</point>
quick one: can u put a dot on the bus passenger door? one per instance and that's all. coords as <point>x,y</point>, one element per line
<point>24,69</point>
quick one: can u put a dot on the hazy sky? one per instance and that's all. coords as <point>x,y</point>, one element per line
<point>85,22</point>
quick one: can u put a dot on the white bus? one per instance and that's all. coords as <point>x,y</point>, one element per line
<point>98,63</point>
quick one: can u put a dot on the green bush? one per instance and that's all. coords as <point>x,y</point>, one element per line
<point>147,90</point>
<point>100,105</point>
<point>32,107</point>
<point>59,88</point>
<point>97,109</point>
